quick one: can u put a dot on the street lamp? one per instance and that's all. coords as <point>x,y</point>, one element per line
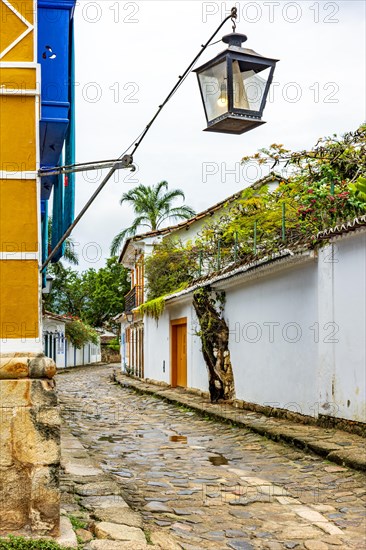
<point>233,92</point>
<point>48,286</point>
<point>129,316</point>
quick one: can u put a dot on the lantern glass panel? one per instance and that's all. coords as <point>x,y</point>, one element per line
<point>248,86</point>
<point>213,82</point>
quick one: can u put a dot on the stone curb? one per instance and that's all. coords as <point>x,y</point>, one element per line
<point>334,445</point>
<point>86,488</point>
<point>14,366</point>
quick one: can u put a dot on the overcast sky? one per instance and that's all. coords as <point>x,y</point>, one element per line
<point>129,55</point>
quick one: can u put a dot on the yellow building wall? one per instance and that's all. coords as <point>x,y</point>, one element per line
<point>17,22</point>
<point>18,78</point>
<point>17,133</point>
<point>19,190</point>
<point>29,447</point>
<point>18,201</point>
<point>19,299</point>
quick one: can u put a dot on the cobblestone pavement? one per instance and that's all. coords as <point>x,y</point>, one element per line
<point>211,485</point>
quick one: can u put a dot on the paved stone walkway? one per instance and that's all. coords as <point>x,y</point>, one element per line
<point>207,484</point>
<point>339,446</point>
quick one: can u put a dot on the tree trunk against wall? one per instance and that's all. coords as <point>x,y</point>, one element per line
<point>214,334</point>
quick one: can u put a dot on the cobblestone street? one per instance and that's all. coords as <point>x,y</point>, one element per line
<point>208,484</point>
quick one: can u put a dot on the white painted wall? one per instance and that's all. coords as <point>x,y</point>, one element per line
<point>342,321</point>
<point>90,353</point>
<point>273,353</point>
<point>56,327</point>
<point>157,348</point>
<point>297,337</point>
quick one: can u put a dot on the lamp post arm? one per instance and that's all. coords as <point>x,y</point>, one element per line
<point>232,16</point>
<point>78,217</point>
<point>125,162</point>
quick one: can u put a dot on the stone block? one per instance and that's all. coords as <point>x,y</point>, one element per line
<point>25,392</point>
<point>119,545</point>
<point>42,366</point>
<point>14,366</point>
<point>15,491</point>
<point>106,501</point>
<point>29,446</point>
<point>45,500</point>
<point>6,455</point>
<point>84,535</point>
<point>118,514</point>
<point>15,393</point>
<point>114,531</point>
<point>26,365</point>
<point>34,443</point>
<point>67,536</point>
<point>81,470</point>
<point>162,540</point>
<point>48,416</point>
<point>102,488</point>
<point>43,393</point>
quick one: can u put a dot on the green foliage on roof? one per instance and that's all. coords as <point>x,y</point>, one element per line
<point>153,308</point>
<point>324,187</point>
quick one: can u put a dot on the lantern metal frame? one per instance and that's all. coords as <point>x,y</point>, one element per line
<point>255,61</point>
<point>129,317</point>
<point>48,284</point>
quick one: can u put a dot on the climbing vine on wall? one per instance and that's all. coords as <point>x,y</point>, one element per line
<point>153,308</point>
<point>214,334</point>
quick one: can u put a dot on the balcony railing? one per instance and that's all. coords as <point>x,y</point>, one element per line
<point>134,298</point>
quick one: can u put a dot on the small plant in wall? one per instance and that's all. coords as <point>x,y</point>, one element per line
<point>214,334</point>
<point>153,308</point>
<point>127,369</point>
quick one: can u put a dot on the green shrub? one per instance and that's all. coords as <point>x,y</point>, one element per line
<point>20,543</point>
<point>80,333</point>
<point>170,267</point>
<point>114,344</point>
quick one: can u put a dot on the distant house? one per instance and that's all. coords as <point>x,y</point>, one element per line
<point>60,349</point>
<point>296,319</point>
<point>109,355</point>
<point>133,254</point>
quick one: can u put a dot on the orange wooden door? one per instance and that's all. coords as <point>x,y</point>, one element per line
<point>182,355</point>
<point>179,354</point>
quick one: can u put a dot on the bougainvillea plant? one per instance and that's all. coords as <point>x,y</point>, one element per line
<point>80,333</point>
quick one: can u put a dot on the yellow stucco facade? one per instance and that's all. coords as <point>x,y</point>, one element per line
<point>19,187</point>
<point>29,416</point>
<point>19,299</point>
<point>18,201</point>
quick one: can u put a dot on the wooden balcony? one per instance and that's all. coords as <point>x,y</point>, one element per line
<point>134,298</point>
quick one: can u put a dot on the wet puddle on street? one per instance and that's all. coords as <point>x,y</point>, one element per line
<point>218,460</point>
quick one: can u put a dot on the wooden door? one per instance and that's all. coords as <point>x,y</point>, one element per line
<point>179,352</point>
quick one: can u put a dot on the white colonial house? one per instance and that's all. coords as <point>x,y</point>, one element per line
<point>297,323</point>
<point>60,349</point>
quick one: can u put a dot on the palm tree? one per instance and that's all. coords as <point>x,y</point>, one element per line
<point>152,206</point>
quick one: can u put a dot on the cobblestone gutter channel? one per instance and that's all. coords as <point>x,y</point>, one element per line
<point>93,504</point>
<point>335,445</point>
<point>140,472</point>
